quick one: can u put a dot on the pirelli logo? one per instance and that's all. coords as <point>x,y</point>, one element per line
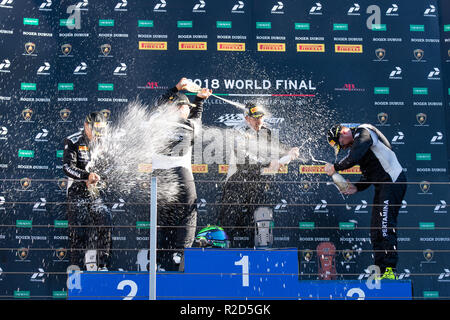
<point>308,169</point>
<point>199,168</point>
<point>273,47</point>
<point>230,46</point>
<point>352,170</point>
<point>83,148</point>
<point>223,168</point>
<point>191,45</point>
<point>145,167</point>
<point>319,169</point>
<point>152,45</point>
<point>310,47</point>
<point>348,48</point>
<point>283,169</point>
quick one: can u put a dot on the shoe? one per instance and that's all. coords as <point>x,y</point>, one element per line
<point>103,269</point>
<point>160,269</point>
<point>388,275</point>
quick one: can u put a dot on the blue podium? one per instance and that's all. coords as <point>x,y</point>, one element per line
<point>231,274</point>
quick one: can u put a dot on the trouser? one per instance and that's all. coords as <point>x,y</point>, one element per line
<point>177,221</point>
<point>387,201</point>
<point>90,226</point>
<point>239,201</point>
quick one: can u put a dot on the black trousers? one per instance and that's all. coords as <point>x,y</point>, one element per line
<point>177,221</point>
<point>240,199</point>
<point>387,202</point>
<point>90,226</point>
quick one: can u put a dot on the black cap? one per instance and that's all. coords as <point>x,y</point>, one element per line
<point>179,98</point>
<point>254,110</point>
<point>97,122</point>
<point>333,137</point>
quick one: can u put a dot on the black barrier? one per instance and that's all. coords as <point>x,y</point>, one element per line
<point>313,63</point>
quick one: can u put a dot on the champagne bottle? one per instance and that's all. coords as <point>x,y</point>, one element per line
<point>340,182</point>
<point>192,87</point>
<point>94,189</point>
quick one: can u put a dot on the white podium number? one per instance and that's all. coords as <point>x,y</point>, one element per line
<point>244,263</point>
<point>360,294</point>
<point>133,288</point>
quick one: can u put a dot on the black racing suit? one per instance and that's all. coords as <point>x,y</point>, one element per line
<point>177,222</point>
<point>379,166</point>
<point>245,190</point>
<point>88,217</point>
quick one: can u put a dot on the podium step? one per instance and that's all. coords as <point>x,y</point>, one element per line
<point>232,274</point>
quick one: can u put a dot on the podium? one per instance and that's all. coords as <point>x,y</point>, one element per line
<point>232,274</point>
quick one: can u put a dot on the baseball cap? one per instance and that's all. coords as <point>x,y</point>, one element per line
<point>253,110</point>
<point>333,137</point>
